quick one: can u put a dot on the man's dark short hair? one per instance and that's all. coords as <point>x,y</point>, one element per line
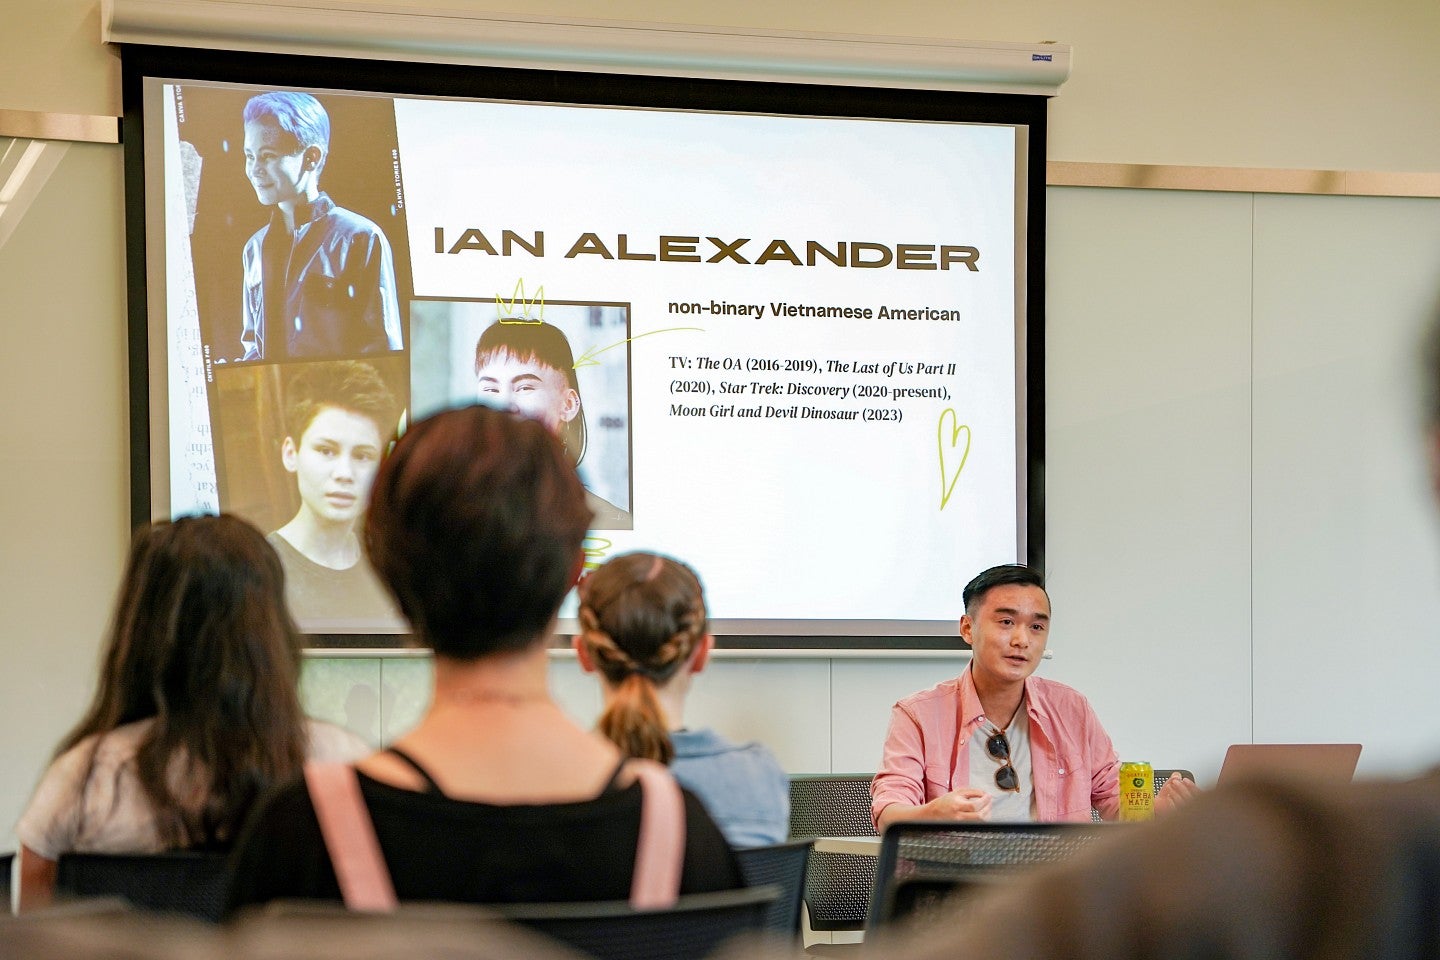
<point>475,524</point>
<point>1005,575</point>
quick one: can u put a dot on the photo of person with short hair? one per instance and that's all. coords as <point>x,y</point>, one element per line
<point>529,367</point>
<point>565,363</point>
<point>319,280</point>
<point>340,418</point>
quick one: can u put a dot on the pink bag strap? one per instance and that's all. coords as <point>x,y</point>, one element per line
<point>660,852</point>
<point>350,837</point>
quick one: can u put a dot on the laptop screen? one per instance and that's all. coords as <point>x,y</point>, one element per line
<point>1322,762</point>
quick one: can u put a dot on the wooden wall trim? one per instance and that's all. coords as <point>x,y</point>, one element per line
<point>1146,176</point>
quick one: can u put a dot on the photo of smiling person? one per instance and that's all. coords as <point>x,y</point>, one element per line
<point>529,367</point>
<point>315,172</point>
<point>340,418</point>
<point>564,363</point>
<point>319,280</point>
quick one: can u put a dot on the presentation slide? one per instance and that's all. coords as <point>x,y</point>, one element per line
<point>780,348</point>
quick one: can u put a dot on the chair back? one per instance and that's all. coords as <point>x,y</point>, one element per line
<point>183,882</point>
<point>605,930</point>
<point>7,864</point>
<point>695,927</point>
<point>923,862</point>
<point>783,865</point>
<point>837,885</point>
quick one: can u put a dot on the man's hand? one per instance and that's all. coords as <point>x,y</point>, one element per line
<point>966,803</point>
<point>1176,791</point>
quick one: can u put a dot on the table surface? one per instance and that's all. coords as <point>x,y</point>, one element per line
<point>857,846</point>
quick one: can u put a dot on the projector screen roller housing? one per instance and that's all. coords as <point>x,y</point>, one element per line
<point>791,334</point>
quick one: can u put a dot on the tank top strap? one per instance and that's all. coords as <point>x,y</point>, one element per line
<point>616,778</point>
<point>660,850</point>
<point>430,785</point>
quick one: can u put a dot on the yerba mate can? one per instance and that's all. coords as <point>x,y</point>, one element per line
<point>1137,791</point>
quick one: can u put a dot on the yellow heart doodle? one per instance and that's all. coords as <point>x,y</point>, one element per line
<point>947,479</point>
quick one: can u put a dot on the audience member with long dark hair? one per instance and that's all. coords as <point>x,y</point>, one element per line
<point>476,525</point>
<point>196,712</point>
<point>644,628</point>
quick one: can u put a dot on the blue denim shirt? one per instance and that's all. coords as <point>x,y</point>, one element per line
<point>742,787</point>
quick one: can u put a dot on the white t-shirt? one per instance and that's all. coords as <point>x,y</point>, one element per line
<point>97,805</point>
<point>1006,806</point>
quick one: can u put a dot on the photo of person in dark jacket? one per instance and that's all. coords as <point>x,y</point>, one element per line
<point>319,280</point>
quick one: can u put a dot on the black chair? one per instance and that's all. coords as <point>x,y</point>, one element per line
<point>7,863</point>
<point>609,930</point>
<point>783,865</point>
<point>1160,777</point>
<point>694,928</point>
<point>837,885</point>
<point>181,882</point>
<point>922,863</point>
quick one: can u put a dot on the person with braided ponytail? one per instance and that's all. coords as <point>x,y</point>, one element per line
<point>644,629</point>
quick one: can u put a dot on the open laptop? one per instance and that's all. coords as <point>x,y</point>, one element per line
<point>1313,762</point>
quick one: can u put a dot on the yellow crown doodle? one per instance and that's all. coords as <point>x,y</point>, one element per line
<point>507,308</point>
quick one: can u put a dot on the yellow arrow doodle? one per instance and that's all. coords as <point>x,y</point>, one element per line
<point>947,479</point>
<point>587,359</point>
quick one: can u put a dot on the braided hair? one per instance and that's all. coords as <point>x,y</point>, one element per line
<point>641,618</point>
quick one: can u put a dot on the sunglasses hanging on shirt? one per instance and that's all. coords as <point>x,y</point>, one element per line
<point>1006,778</point>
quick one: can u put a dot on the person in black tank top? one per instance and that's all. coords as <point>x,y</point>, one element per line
<point>431,786</point>
<point>475,526</point>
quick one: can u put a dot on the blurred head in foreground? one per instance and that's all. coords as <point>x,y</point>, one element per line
<point>475,524</point>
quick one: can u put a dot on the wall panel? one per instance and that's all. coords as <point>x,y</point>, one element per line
<point>1347,571</point>
<point>63,457</point>
<point>1148,473</point>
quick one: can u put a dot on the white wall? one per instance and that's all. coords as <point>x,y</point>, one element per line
<point>1345,538</point>
<point>64,467</point>
<point>1241,543</point>
<point>1248,83</point>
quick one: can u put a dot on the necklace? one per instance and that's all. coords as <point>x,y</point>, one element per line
<point>1013,714</point>
<point>503,697</point>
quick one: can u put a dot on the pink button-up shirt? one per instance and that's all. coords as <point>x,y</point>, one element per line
<point>1073,763</point>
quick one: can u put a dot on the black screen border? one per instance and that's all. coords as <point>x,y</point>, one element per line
<point>608,89</point>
